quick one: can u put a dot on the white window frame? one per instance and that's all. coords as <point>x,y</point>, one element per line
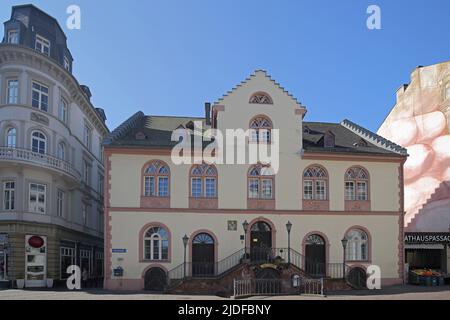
<point>41,93</point>
<point>87,136</point>
<point>43,43</point>
<point>63,110</point>
<point>61,151</point>
<point>39,139</point>
<point>156,237</point>
<point>60,196</point>
<point>86,172</point>
<point>100,184</point>
<point>11,139</point>
<point>320,185</point>
<point>35,208</point>
<point>86,254</point>
<point>308,190</point>
<point>160,193</point>
<point>85,213</point>
<point>9,194</point>
<point>198,183</point>
<point>66,252</point>
<point>66,63</point>
<point>13,36</point>
<point>12,91</point>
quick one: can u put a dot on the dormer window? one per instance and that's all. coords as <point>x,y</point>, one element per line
<point>329,140</point>
<point>140,136</point>
<point>42,45</point>
<point>13,36</point>
<point>360,143</point>
<point>261,98</point>
<point>66,64</point>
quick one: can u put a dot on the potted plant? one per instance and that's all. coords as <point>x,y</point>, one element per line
<point>49,283</point>
<point>20,283</point>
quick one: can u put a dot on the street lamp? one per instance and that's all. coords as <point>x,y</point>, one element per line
<point>185,242</point>
<point>344,246</point>
<point>245,226</point>
<point>288,228</point>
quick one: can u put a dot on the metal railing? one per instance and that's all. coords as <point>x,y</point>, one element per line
<point>312,286</point>
<point>256,287</point>
<point>310,267</point>
<point>206,269</point>
<point>46,160</point>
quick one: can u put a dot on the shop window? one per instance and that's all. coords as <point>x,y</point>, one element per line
<point>67,257</point>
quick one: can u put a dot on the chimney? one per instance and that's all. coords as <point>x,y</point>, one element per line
<point>208,113</point>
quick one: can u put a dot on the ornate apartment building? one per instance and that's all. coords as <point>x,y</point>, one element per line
<point>51,161</point>
<point>334,206</point>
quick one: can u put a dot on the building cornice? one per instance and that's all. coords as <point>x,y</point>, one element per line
<point>29,57</point>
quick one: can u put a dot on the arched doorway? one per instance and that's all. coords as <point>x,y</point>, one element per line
<point>357,278</point>
<point>315,255</point>
<point>260,242</point>
<point>155,279</point>
<point>203,255</point>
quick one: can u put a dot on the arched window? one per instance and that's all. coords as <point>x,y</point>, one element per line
<point>156,244</point>
<point>260,129</point>
<point>203,181</point>
<point>447,92</point>
<point>357,245</point>
<point>356,184</point>
<point>261,98</point>
<point>315,181</point>
<point>156,179</point>
<point>61,151</point>
<point>11,138</point>
<point>38,142</point>
<point>260,182</point>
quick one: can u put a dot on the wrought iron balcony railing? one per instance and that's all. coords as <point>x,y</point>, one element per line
<point>44,160</point>
<point>310,267</point>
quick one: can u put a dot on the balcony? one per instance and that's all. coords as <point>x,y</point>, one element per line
<point>17,155</point>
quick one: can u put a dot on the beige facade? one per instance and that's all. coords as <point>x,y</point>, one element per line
<point>379,215</point>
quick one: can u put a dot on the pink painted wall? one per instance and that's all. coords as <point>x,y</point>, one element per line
<point>420,121</point>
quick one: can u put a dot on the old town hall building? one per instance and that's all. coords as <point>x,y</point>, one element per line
<point>334,206</point>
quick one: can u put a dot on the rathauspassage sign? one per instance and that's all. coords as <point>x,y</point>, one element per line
<point>427,237</point>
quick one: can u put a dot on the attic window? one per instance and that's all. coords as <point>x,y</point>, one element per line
<point>329,140</point>
<point>190,125</point>
<point>360,143</point>
<point>261,98</point>
<point>140,136</point>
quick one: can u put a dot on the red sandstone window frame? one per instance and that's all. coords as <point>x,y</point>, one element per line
<point>318,175</point>
<point>368,242</point>
<point>260,97</point>
<point>202,201</point>
<point>355,202</point>
<point>155,200</point>
<point>260,125</point>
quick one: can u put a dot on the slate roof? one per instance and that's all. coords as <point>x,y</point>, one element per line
<point>141,131</point>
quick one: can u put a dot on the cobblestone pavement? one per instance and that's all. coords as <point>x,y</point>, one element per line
<point>391,293</point>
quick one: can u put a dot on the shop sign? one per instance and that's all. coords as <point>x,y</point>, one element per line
<point>427,237</point>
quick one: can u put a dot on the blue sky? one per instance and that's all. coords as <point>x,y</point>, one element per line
<point>168,57</point>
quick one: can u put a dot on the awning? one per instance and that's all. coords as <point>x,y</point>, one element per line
<point>425,246</point>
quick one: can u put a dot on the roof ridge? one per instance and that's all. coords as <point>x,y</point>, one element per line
<point>252,75</point>
<point>160,116</point>
<point>124,127</point>
<point>373,137</point>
